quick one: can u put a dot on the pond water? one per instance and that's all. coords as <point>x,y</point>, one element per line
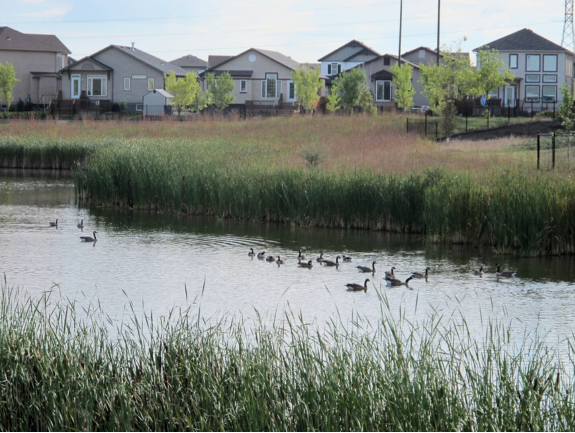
<point>160,261</point>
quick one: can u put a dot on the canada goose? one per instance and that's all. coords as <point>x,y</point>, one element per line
<point>89,238</point>
<point>505,274</point>
<point>395,282</point>
<point>262,255</point>
<point>251,253</point>
<point>420,275</point>
<point>270,259</point>
<point>54,224</point>
<point>300,255</point>
<point>478,271</point>
<point>320,259</point>
<point>366,268</point>
<point>308,265</point>
<point>331,263</point>
<point>353,287</point>
<point>346,258</point>
<point>390,274</point>
<point>81,224</point>
<point>280,261</point>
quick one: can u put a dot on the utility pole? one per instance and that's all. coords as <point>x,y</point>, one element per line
<point>568,39</point>
<point>439,26</point>
<point>400,20</point>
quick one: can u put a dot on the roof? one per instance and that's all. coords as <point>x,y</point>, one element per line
<point>14,40</point>
<point>233,73</point>
<point>382,75</point>
<point>280,58</point>
<point>523,40</point>
<point>87,59</point>
<point>351,43</point>
<point>189,61</point>
<point>161,92</point>
<point>431,50</point>
<point>153,61</point>
<point>393,56</point>
<point>214,61</point>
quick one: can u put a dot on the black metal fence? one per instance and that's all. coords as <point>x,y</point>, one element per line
<point>423,127</point>
<point>554,151</point>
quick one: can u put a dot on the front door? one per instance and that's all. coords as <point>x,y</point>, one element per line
<point>75,86</point>
<point>509,96</point>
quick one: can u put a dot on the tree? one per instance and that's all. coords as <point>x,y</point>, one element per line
<point>220,91</point>
<point>365,101</point>
<point>491,72</point>
<point>201,101</point>
<point>7,82</point>
<point>332,99</point>
<point>307,84</point>
<point>349,86</point>
<point>183,89</point>
<point>404,91</point>
<point>565,111</point>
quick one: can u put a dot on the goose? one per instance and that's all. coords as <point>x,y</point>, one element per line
<point>331,263</point>
<point>346,258</point>
<point>354,287</point>
<point>262,255</point>
<point>300,255</point>
<point>81,224</point>
<point>420,275</point>
<point>478,271</point>
<point>320,259</point>
<point>280,261</point>
<point>308,265</point>
<point>251,253</point>
<point>505,274</point>
<point>54,224</point>
<point>395,282</point>
<point>366,268</point>
<point>270,259</point>
<point>89,238</point>
<point>390,274</point>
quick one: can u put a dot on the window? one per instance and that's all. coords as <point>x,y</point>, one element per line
<point>139,107</point>
<point>549,62</point>
<point>532,62</point>
<point>422,54</point>
<point>270,86</point>
<point>97,86</point>
<point>568,69</point>
<point>513,61</point>
<point>532,78</point>
<point>126,84</point>
<point>383,91</point>
<point>290,91</point>
<point>386,61</point>
<point>333,69</point>
<point>532,92</point>
<point>548,78</point>
<point>549,93</point>
<point>151,84</point>
<point>494,93</point>
<point>243,86</point>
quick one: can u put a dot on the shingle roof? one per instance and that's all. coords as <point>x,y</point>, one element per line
<point>393,56</point>
<point>153,61</point>
<point>11,39</point>
<point>280,58</point>
<point>523,40</point>
<point>352,42</point>
<point>214,61</point>
<point>431,50</point>
<point>189,61</point>
<point>89,59</point>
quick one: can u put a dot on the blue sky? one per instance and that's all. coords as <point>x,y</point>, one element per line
<point>302,29</point>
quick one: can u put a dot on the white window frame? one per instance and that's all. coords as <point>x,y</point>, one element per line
<point>78,78</point>
<point>243,86</point>
<point>290,85</point>
<point>516,62</point>
<point>139,107</point>
<point>382,99</point>
<point>90,85</point>
<point>331,66</point>
<point>127,83</point>
<point>266,84</point>
<point>151,85</point>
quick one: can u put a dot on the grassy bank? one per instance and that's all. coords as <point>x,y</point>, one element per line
<point>62,371</point>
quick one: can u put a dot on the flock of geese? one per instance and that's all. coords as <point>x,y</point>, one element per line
<point>80,225</point>
<point>390,278</point>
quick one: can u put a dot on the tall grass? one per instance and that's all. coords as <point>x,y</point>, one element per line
<point>63,370</point>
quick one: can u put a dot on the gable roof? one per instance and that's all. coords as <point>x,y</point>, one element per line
<point>214,61</point>
<point>280,58</point>
<point>431,50</point>
<point>87,59</point>
<point>351,43</point>
<point>189,61</point>
<point>153,61</point>
<point>14,40</point>
<point>523,40</point>
<point>393,56</point>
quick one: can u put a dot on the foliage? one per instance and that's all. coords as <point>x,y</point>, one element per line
<point>350,84</point>
<point>332,99</point>
<point>220,90</point>
<point>313,156</point>
<point>201,101</point>
<point>7,82</point>
<point>404,91</point>
<point>491,72</point>
<point>307,84</point>
<point>565,110</point>
<point>183,89</point>
<point>366,102</point>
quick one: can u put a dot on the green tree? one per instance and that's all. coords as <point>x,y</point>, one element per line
<point>182,89</point>
<point>201,101</point>
<point>565,110</point>
<point>491,72</point>
<point>307,85</point>
<point>332,99</point>
<point>7,82</point>
<point>220,91</point>
<point>349,86</point>
<point>365,101</point>
<point>404,90</point>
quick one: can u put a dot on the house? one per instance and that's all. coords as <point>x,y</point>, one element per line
<point>262,78</point>
<point>36,60</point>
<point>191,63</point>
<point>424,55</point>
<point>540,68</point>
<point>116,74</point>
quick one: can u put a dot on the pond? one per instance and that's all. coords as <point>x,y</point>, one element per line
<point>154,262</point>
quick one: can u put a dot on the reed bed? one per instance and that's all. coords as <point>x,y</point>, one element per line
<point>64,369</point>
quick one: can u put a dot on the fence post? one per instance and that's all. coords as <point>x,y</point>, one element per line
<point>425,123</point>
<point>466,116</point>
<point>553,150</point>
<point>407,126</point>
<point>538,148</point>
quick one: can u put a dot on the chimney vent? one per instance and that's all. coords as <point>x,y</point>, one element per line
<point>133,49</point>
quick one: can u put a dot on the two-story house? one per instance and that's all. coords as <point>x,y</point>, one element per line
<point>540,68</point>
<point>36,60</point>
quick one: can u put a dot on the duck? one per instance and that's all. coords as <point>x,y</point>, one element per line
<point>390,274</point>
<point>80,225</point>
<point>301,256</point>
<point>367,268</point>
<point>420,275</point>
<point>354,287</point>
<point>332,263</point>
<point>308,265</point>
<point>478,271</point>
<point>252,252</point>
<point>505,274</point>
<point>271,259</point>
<point>346,258</point>
<point>280,261</point>
<point>396,282</point>
<point>262,255</point>
<point>54,224</point>
<point>320,259</point>
<point>89,238</point>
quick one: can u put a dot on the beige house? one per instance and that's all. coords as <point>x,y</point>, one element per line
<point>36,60</point>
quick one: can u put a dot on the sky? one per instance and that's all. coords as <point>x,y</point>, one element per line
<point>305,30</point>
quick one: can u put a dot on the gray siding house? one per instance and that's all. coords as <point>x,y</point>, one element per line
<point>191,63</point>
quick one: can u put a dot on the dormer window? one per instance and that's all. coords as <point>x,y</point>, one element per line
<point>386,61</point>
<point>333,69</point>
